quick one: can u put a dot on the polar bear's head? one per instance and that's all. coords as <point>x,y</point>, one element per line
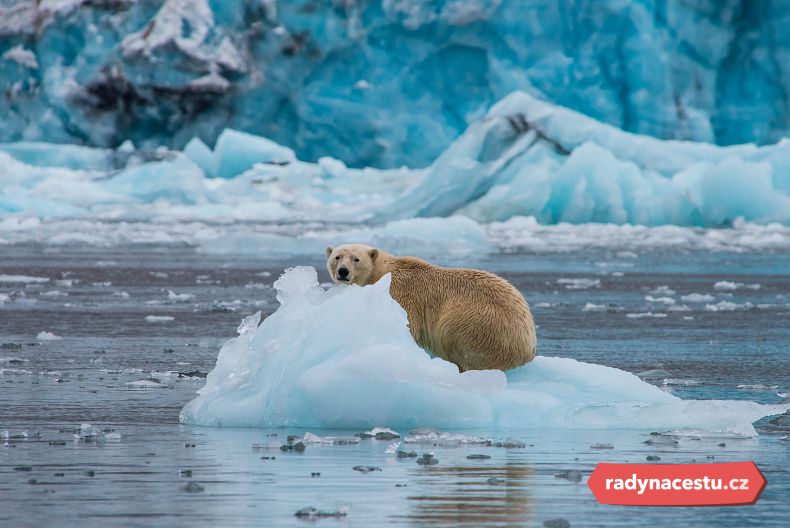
<point>351,263</point>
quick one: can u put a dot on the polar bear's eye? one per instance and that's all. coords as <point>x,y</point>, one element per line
<point>356,260</point>
<point>337,258</point>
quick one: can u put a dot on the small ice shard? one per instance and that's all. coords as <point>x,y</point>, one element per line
<point>727,306</point>
<point>579,284</point>
<point>179,297</point>
<point>757,387</point>
<point>158,318</point>
<point>662,291</point>
<point>697,297</point>
<point>660,300</point>
<point>53,293</point>
<point>311,438</point>
<point>379,433</point>
<point>642,315</point>
<point>22,279</point>
<point>509,443</point>
<point>145,384</point>
<point>89,433</point>
<point>47,336</point>
<point>590,307</point>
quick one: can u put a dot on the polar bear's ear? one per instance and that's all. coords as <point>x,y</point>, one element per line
<point>374,253</point>
<point>329,251</point>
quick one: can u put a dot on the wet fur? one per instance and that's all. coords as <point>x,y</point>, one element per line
<point>472,318</point>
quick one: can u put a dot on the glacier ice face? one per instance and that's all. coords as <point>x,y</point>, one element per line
<point>302,367</point>
<point>388,82</point>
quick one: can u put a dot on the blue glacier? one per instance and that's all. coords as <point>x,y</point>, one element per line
<point>388,82</point>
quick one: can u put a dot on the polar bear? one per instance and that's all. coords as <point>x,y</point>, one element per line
<point>472,318</point>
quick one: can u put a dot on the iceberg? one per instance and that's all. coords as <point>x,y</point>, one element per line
<point>304,367</point>
<point>524,159</point>
<point>385,83</point>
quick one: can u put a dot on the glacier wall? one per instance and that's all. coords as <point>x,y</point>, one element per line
<point>383,83</point>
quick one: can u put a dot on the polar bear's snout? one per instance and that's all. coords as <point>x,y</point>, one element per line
<point>342,274</point>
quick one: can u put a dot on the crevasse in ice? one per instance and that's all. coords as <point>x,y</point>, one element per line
<point>382,83</point>
<point>525,157</point>
<point>344,358</point>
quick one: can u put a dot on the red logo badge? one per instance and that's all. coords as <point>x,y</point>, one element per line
<point>722,484</point>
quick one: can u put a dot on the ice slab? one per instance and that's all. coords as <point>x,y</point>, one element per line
<point>305,367</point>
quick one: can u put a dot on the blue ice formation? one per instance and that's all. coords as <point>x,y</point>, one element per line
<point>524,157</point>
<point>388,82</point>
<point>302,368</point>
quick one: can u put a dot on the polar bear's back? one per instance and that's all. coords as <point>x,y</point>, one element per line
<point>473,318</point>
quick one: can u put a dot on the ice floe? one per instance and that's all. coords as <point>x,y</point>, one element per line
<point>303,367</point>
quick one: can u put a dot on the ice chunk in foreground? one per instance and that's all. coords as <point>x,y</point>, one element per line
<point>344,358</point>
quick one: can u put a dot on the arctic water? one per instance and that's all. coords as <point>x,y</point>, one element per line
<point>121,338</point>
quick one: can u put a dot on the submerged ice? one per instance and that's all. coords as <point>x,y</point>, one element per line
<point>306,367</point>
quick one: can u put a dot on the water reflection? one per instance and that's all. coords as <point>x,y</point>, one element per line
<point>464,496</point>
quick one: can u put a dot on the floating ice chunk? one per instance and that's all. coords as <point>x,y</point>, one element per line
<point>641,315</point>
<point>311,438</point>
<point>757,386</point>
<point>179,297</point>
<point>662,291</point>
<point>579,284</point>
<point>235,152</point>
<point>145,384</point>
<point>697,297</point>
<point>53,293</point>
<point>89,433</point>
<point>590,307</point>
<point>660,300</point>
<point>158,318</point>
<point>727,306</point>
<point>380,433</point>
<point>47,336</point>
<point>300,368</point>
<point>22,279</point>
<point>732,286</point>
